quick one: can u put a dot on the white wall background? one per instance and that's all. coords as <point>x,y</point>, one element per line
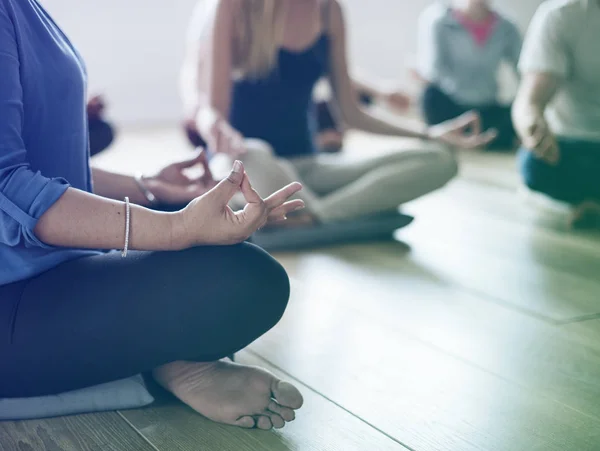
<point>133,48</point>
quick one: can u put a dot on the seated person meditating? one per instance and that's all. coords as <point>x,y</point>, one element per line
<point>253,77</point>
<point>184,293</point>
<point>330,136</point>
<point>460,49</point>
<point>557,109</point>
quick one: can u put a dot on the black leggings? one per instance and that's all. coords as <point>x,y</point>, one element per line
<point>104,318</point>
<point>438,107</point>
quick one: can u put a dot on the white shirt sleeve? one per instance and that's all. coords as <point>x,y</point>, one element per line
<point>545,48</point>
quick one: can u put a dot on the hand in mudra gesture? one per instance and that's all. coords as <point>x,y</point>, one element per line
<point>171,186</point>
<point>208,219</point>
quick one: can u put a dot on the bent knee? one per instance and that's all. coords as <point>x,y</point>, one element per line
<point>257,149</point>
<point>444,162</point>
<point>265,284</point>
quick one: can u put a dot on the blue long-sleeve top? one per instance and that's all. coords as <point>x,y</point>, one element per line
<point>43,135</point>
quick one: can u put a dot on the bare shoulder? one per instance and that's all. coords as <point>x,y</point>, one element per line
<point>227,7</point>
<point>336,15</point>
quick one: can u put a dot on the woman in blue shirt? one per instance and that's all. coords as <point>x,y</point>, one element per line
<point>460,49</point>
<point>72,315</point>
<point>250,73</point>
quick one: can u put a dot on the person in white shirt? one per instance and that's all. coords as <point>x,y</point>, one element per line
<point>557,109</point>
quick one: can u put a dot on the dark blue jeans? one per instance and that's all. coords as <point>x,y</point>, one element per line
<point>576,177</point>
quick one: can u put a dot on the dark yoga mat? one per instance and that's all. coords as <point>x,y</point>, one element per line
<point>352,231</point>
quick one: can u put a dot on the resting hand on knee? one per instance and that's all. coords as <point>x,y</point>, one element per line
<point>220,135</point>
<point>538,138</point>
<point>463,132</point>
<point>208,220</point>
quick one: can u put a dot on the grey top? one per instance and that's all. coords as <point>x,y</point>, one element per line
<point>465,70</point>
<point>564,39</point>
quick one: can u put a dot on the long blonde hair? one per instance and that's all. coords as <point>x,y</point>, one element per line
<point>259,35</point>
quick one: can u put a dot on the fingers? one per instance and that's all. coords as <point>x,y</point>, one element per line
<point>537,133</point>
<point>469,120</point>
<point>474,124</point>
<point>230,141</point>
<point>280,213</point>
<point>548,150</point>
<point>200,158</point>
<point>230,185</point>
<point>207,177</point>
<point>237,174</point>
<point>483,139</point>
<point>279,197</point>
<point>249,193</point>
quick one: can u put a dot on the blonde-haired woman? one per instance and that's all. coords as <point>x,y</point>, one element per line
<point>250,73</point>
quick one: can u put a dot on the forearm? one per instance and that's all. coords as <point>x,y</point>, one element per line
<point>526,111</point>
<point>535,93</point>
<point>364,86</point>
<point>83,220</point>
<point>374,123</point>
<point>116,186</point>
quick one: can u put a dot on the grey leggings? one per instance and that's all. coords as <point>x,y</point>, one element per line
<point>337,187</point>
<point>103,318</point>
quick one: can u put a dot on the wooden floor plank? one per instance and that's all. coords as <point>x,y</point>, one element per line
<point>95,432</point>
<point>497,169</point>
<point>320,425</point>
<point>513,205</point>
<point>470,226</point>
<point>423,397</point>
<point>586,332</point>
<point>395,291</point>
<point>549,273</point>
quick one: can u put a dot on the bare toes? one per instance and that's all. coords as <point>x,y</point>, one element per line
<point>276,420</point>
<point>284,412</point>
<point>245,422</point>
<point>263,422</point>
<point>286,394</point>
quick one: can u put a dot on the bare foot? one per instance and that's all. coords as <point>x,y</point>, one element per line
<point>586,216</point>
<point>230,393</point>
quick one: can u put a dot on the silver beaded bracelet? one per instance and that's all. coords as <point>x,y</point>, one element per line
<point>127,227</point>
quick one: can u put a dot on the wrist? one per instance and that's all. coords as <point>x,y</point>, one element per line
<point>145,189</point>
<point>206,120</point>
<point>176,231</point>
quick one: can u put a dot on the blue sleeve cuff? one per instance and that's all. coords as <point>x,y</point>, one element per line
<point>25,221</point>
<point>44,200</point>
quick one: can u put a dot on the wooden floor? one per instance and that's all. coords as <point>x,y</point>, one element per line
<point>481,332</point>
